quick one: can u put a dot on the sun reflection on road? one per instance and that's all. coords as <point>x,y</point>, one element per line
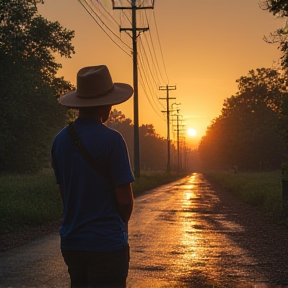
<point>181,237</point>
<point>205,248</point>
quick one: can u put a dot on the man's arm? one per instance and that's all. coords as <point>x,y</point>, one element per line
<point>125,201</point>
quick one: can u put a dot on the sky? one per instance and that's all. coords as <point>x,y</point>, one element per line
<point>202,46</point>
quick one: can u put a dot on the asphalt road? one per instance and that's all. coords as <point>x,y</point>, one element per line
<point>181,235</point>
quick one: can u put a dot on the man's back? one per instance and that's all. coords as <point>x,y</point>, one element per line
<point>91,220</point>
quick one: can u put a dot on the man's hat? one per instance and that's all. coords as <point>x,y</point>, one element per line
<point>96,88</point>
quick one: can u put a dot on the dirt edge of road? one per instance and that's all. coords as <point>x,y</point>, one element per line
<point>13,240</point>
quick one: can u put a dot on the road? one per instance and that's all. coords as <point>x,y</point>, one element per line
<point>181,235</point>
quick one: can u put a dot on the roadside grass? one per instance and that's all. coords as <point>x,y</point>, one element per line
<point>32,200</point>
<point>263,190</point>
<point>27,201</point>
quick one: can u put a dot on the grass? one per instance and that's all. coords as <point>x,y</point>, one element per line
<point>27,200</point>
<point>33,200</point>
<point>263,190</point>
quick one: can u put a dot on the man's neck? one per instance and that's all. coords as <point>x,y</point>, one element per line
<point>89,114</point>
<point>97,113</point>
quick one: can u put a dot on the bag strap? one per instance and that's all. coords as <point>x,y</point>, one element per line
<point>84,152</point>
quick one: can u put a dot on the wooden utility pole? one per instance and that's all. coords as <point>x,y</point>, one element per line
<point>182,138</point>
<point>167,88</point>
<point>177,131</point>
<point>134,30</point>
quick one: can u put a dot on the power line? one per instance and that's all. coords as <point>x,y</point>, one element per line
<point>145,91</point>
<point>143,75</point>
<point>81,2</point>
<point>148,77</point>
<point>153,60</point>
<point>148,61</point>
<point>160,47</point>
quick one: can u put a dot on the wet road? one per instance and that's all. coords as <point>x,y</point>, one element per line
<point>177,237</point>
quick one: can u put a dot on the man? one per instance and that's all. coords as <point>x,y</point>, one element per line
<point>97,202</point>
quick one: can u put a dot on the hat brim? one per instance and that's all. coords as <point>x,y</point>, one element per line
<point>121,93</point>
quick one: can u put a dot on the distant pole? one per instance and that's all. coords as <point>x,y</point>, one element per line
<point>167,88</point>
<point>178,135</point>
<point>134,30</point>
<point>178,144</point>
<point>181,129</point>
<point>185,157</point>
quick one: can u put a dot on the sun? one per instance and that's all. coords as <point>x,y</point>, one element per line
<point>191,132</point>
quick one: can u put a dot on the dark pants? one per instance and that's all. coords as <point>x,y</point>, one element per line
<point>97,268</point>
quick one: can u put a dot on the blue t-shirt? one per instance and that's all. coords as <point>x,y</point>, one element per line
<point>90,217</point>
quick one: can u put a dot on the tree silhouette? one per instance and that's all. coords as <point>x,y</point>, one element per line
<point>247,134</point>
<point>29,112</point>
<point>278,8</point>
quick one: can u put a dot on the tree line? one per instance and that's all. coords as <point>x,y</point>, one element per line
<point>251,131</point>
<point>29,113</point>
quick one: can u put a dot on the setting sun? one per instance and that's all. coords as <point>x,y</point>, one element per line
<point>191,132</point>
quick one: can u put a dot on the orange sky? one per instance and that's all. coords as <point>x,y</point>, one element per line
<point>206,45</point>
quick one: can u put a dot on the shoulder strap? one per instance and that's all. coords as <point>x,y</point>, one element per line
<point>84,152</point>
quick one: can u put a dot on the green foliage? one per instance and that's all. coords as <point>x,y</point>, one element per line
<point>262,190</point>
<point>27,201</point>
<point>249,132</point>
<point>29,111</point>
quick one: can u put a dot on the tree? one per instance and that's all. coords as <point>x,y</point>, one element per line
<point>153,149</point>
<point>279,8</point>
<point>248,133</point>
<point>29,112</point>
<point>118,121</point>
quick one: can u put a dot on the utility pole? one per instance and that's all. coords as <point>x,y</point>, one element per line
<point>182,137</point>
<point>177,131</point>
<point>134,30</point>
<point>168,88</point>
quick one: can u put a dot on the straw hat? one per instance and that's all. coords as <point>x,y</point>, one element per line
<point>96,88</point>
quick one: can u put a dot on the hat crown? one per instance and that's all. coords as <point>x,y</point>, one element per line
<point>93,82</point>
